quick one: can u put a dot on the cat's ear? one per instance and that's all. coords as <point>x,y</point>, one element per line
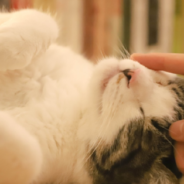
<point>24,35</point>
<point>159,174</point>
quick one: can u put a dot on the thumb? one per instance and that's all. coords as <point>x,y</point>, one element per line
<point>179,155</point>
<point>177,131</point>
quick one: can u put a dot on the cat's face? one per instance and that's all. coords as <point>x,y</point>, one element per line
<point>129,113</point>
<point>123,90</point>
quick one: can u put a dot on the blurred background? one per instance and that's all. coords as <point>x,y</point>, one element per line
<point>100,28</point>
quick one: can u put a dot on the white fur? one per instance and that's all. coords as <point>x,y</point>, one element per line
<point>20,153</point>
<point>52,102</point>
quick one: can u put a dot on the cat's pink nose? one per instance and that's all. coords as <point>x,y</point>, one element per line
<point>131,75</point>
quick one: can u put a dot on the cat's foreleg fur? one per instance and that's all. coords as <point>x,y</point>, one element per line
<point>20,154</point>
<point>24,35</point>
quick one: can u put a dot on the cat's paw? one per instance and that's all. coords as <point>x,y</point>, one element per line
<point>24,35</point>
<point>20,155</point>
<point>15,52</point>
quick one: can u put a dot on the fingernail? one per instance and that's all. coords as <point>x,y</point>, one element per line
<point>176,130</point>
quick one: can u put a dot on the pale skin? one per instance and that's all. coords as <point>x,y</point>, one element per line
<point>173,63</point>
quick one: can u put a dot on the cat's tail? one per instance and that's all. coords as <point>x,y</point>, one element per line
<point>24,35</point>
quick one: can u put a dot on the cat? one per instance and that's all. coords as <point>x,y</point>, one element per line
<point>64,120</point>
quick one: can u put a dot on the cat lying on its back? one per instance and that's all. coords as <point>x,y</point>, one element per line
<point>64,120</point>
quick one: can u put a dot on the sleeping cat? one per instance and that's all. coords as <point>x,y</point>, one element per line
<point>64,120</point>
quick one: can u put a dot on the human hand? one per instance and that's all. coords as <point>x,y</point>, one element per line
<point>173,63</point>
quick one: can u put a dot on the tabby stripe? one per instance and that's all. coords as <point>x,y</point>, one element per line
<point>181,105</point>
<point>182,89</point>
<point>176,92</point>
<point>157,126</point>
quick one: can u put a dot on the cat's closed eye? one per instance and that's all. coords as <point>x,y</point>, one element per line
<point>162,78</point>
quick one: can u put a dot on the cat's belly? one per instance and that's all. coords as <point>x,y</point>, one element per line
<point>54,123</point>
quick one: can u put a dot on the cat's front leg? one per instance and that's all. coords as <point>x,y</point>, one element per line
<point>20,154</point>
<point>24,35</point>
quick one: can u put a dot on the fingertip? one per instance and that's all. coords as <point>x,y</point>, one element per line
<point>133,56</point>
<point>176,131</point>
<point>137,56</point>
<point>141,58</point>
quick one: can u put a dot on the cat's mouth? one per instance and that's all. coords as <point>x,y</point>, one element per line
<point>129,74</point>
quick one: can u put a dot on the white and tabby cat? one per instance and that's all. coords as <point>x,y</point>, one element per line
<point>64,120</point>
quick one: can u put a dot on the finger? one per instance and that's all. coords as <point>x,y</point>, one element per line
<point>179,156</point>
<point>176,131</point>
<point>173,63</point>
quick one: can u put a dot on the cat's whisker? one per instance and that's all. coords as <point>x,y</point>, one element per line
<point>166,128</point>
<point>123,55</point>
<point>131,50</point>
<point>100,140</point>
<point>93,151</point>
<point>107,119</point>
<point>102,54</point>
<point>94,143</point>
<point>169,141</point>
<point>180,155</point>
<point>125,51</point>
<point>107,126</point>
<point>119,53</point>
<point>94,148</point>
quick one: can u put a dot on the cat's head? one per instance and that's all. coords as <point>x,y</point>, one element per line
<point>129,110</point>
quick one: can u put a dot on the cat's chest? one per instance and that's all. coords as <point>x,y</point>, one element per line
<point>19,90</point>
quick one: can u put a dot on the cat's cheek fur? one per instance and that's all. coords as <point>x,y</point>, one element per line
<point>103,73</point>
<point>160,103</point>
<point>20,153</point>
